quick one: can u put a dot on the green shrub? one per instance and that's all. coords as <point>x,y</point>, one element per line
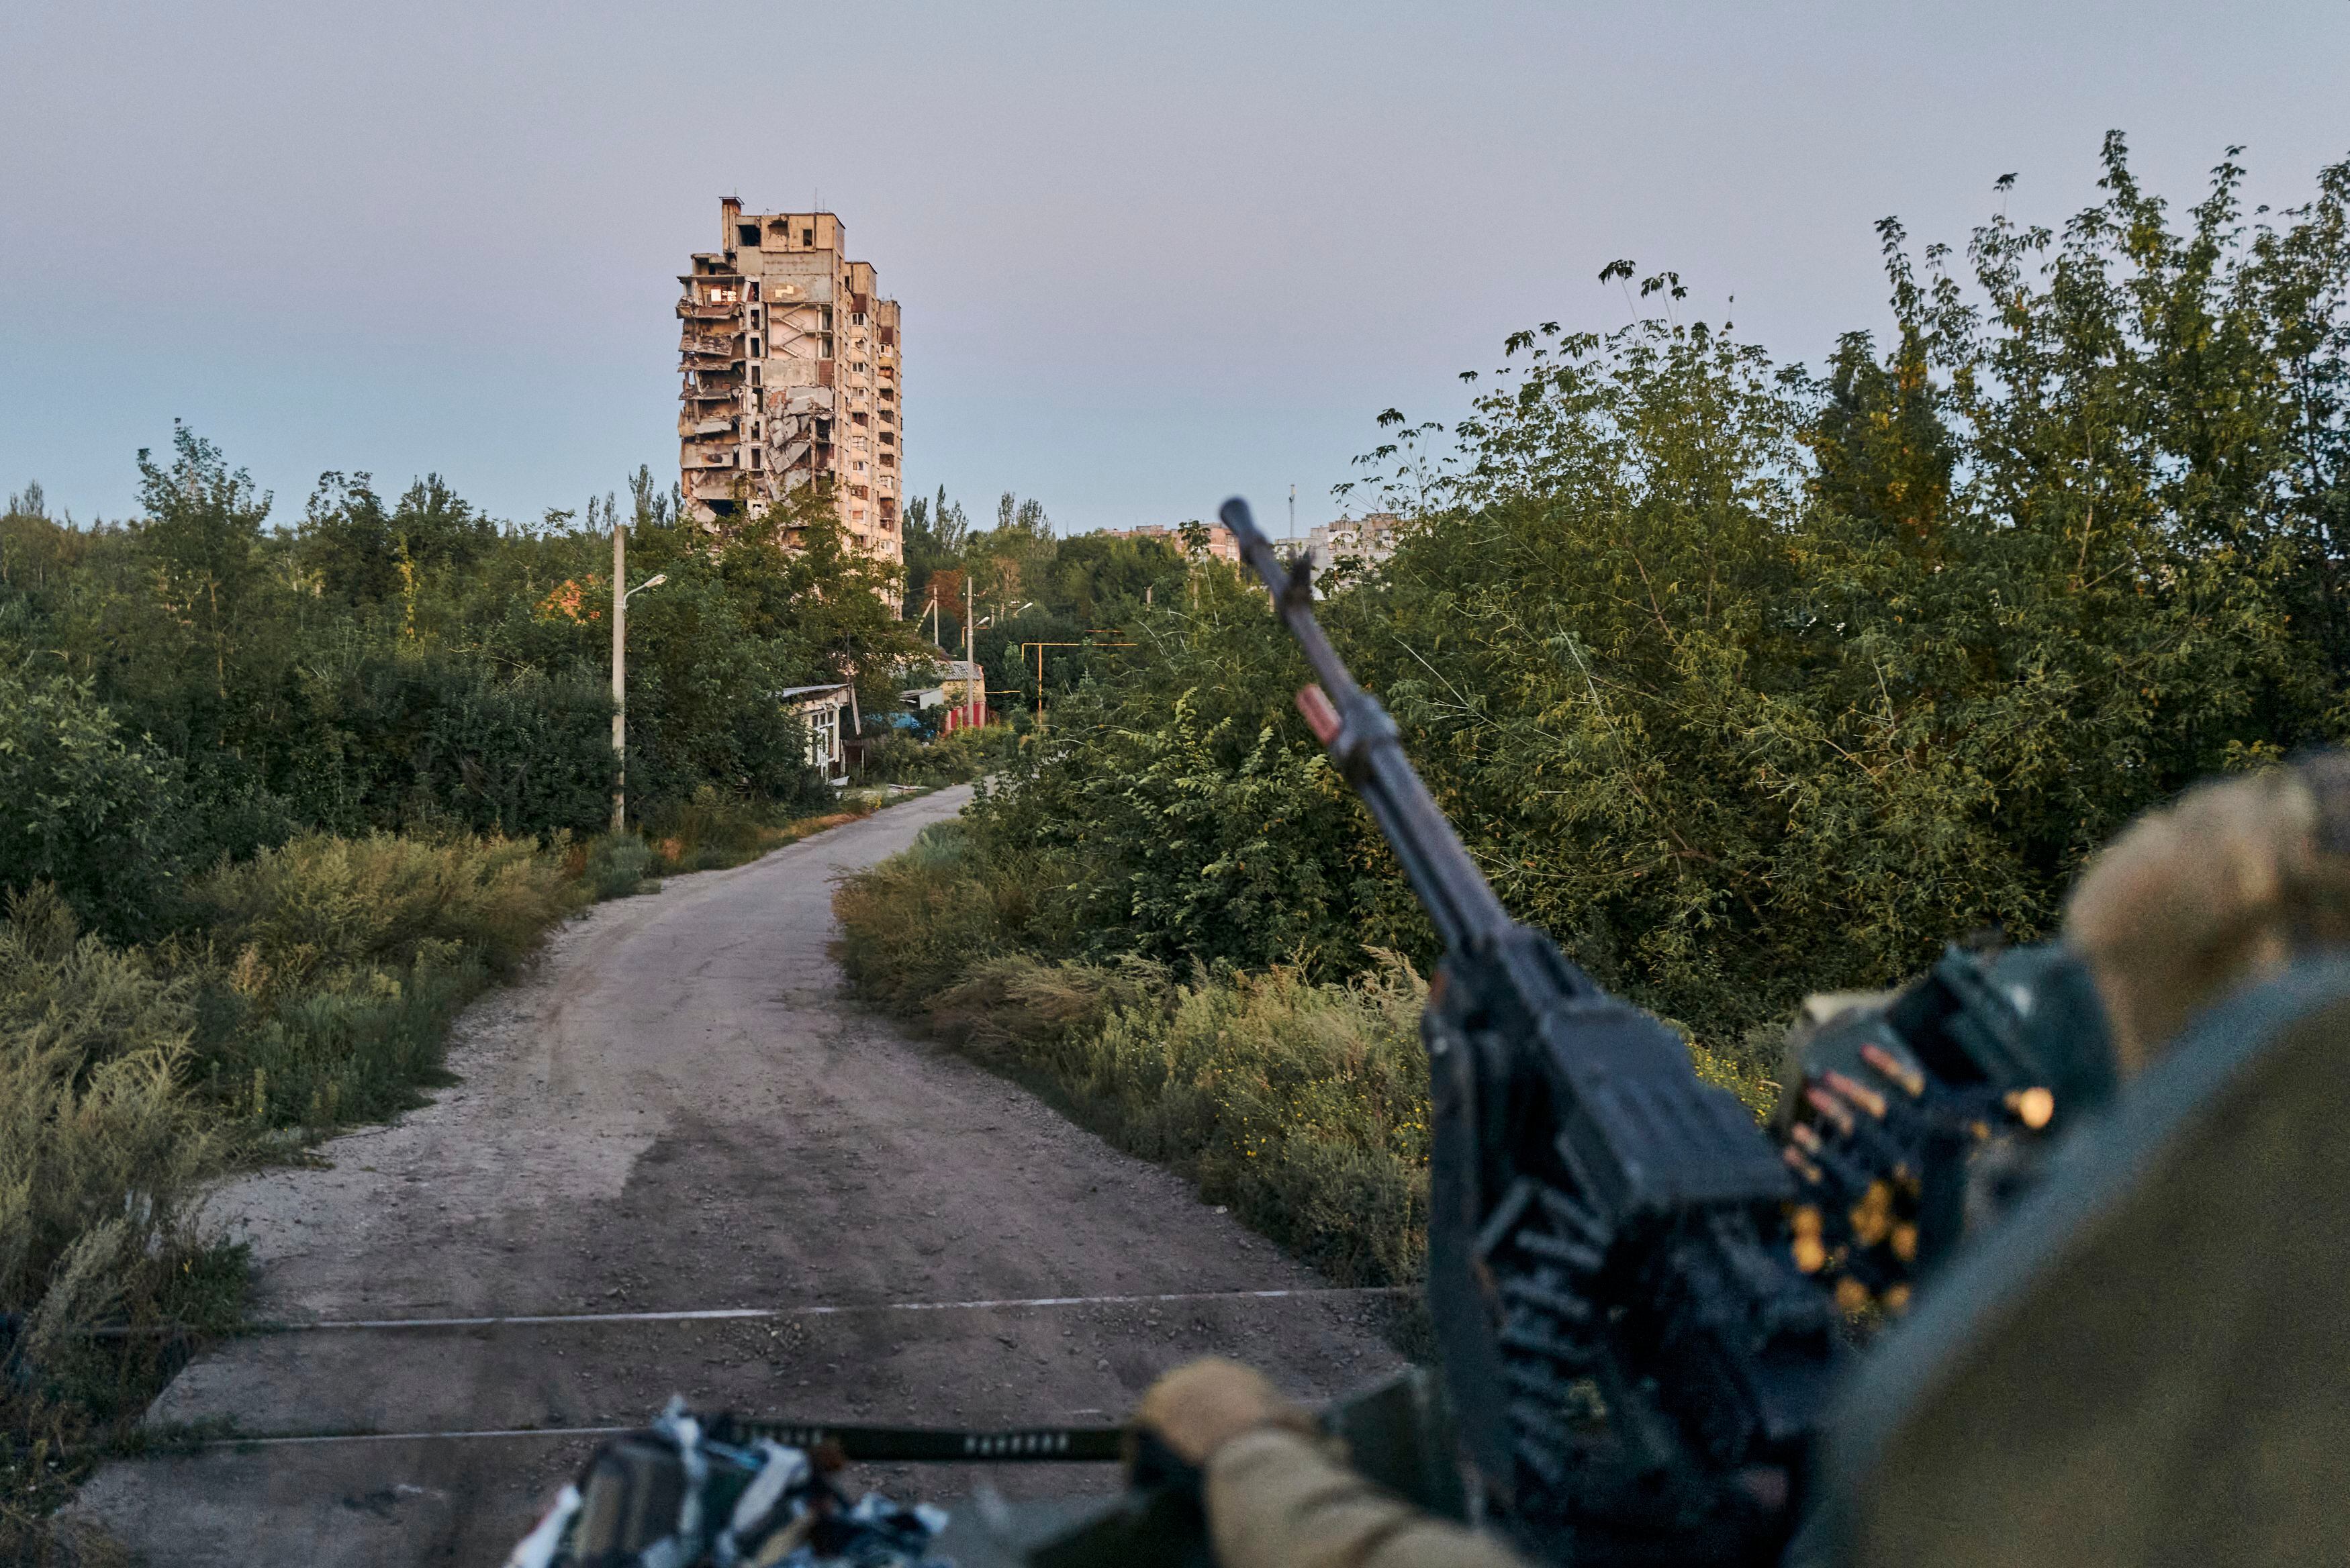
<point>711,828</point>
<point>617,865</point>
<point>407,738</point>
<point>90,812</point>
<point>955,757</point>
<point>1304,1107</point>
<point>321,903</point>
<point>916,924</point>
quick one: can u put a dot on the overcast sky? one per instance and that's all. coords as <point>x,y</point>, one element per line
<point>1148,254</point>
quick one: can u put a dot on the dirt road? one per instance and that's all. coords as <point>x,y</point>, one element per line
<point>679,1111</point>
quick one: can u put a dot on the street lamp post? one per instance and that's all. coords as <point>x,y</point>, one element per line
<point>620,598</point>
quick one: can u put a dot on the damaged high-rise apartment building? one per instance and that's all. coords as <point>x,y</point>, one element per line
<point>790,366</point>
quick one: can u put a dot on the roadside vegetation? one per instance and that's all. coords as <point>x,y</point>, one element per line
<point>278,803</point>
<point>1741,679</point>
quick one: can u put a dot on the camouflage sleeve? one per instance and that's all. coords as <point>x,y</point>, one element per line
<point>2223,887</point>
<point>1277,1499</point>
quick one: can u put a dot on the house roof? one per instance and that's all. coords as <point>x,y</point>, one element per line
<point>788,693</point>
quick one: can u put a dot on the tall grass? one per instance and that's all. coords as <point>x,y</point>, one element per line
<point>1304,1105</point>
<point>103,1145</point>
<point>335,965</point>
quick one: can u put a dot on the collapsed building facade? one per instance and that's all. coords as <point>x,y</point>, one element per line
<point>789,360</point>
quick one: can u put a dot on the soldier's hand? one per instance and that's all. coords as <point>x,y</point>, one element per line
<point>1201,1405</point>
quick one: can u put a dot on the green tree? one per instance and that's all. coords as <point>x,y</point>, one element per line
<point>202,536</point>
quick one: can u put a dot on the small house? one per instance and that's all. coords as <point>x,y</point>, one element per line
<point>824,710</point>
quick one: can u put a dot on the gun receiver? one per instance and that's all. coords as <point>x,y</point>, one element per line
<point>1636,1363</point>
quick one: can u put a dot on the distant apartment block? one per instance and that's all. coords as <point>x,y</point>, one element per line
<point>789,359</point>
<point>1220,543</point>
<point>1368,539</point>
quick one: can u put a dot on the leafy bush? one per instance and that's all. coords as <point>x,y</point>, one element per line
<point>89,812</point>
<point>420,739</point>
<point>320,903</point>
<point>956,756</point>
<point>615,864</point>
<point>912,926</point>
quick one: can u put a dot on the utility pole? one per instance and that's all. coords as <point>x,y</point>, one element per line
<point>1040,687</point>
<point>621,595</point>
<point>620,676</point>
<point>970,659</point>
<point>1293,512</point>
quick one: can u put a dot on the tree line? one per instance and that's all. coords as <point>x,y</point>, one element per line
<point>1745,679</point>
<point>195,684</point>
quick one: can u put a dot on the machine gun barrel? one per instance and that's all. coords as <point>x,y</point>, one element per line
<point>1363,744</point>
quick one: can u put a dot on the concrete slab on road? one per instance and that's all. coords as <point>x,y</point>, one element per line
<point>677,1109</point>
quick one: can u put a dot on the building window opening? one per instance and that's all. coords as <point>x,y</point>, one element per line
<point>746,234</point>
<point>857,419</point>
<point>807,237</point>
<point>754,290</point>
<point>754,348</point>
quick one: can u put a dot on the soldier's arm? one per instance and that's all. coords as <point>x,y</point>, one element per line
<point>1277,1497</point>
